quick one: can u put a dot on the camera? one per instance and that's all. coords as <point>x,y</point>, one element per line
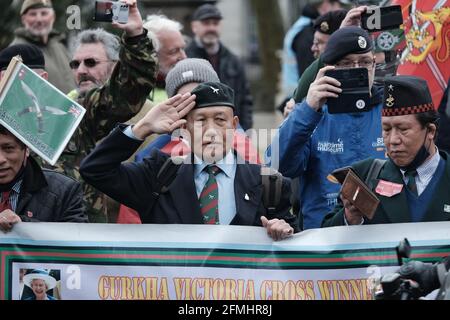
<point>109,11</point>
<point>355,95</point>
<point>382,18</point>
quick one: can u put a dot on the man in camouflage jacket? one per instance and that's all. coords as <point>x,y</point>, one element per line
<point>117,100</point>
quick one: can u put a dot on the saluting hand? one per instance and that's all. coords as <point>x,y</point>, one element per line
<point>165,117</point>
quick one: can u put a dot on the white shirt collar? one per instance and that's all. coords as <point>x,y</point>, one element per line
<point>428,167</point>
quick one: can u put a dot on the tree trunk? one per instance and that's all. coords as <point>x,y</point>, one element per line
<point>9,17</point>
<point>270,35</point>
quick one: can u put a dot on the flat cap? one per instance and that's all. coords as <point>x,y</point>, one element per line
<point>404,95</point>
<point>35,4</point>
<point>347,40</point>
<point>206,11</point>
<point>213,94</point>
<point>31,56</point>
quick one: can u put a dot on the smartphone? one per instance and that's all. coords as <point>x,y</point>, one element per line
<point>382,18</point>
<point>355,95</point>
<point>111,11</point>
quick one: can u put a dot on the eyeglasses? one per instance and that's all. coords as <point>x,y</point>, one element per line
<point>89,63</point>
<point>368,63</point>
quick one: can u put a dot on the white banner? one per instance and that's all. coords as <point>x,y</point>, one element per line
<point>187,262</point>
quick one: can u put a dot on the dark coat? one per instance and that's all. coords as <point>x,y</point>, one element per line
<point>49,196</point>
<point>395,209</point>
<point>133,183</point>
<point>231,73</point>
<point>443,138</point>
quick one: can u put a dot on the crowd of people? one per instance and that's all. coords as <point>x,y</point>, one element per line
<point>149,85</point>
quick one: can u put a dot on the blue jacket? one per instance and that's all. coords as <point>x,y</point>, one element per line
<point>313,144</point>
<point>289,67</point>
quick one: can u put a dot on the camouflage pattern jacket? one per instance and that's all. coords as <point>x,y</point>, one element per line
<point>118,100</point>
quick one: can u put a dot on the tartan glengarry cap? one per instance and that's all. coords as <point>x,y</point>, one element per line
<point>404,95</point>
<point>35,4</point>
<point>347,40</point>
<point>188,71</point>
<point>31,56</point>
<point>213,94</point>
<point>206,11</point>
<point>330,22</point>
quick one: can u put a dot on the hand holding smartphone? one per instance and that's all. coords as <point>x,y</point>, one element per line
<point>355,96</point>
<point>111,11</point>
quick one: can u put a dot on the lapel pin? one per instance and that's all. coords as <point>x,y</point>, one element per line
<point>30,214</point>
<point>246,197</point>
<point>446,208</point>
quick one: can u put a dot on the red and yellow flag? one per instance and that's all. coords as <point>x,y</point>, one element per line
<point>426,52</point>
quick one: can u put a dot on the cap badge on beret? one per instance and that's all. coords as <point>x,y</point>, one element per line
<point>324,26</point>
<point>390,101</point>
<point>362,42</point>
<point>215,90</point>
<point>406,95</point>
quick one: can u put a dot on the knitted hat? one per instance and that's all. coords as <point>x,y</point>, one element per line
<point>213,94</point>
<point>31,56</point>
<point>35,4</point>
<point>187,71</point>
<point>347,40</point>
<point>405,95</point>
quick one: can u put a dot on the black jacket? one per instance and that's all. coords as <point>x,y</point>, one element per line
<point>133,184</point>
<point>49,196</point>
<point>231,73</point>
<point>443,138</point>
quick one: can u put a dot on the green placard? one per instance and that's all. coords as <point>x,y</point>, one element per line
<point>36,112</point>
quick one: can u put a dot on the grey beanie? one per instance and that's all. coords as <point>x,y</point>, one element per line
<point>187,71</point>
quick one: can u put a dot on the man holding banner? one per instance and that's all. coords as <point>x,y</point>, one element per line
<point>212,186</point>
<point>413,183</point>
<point>28,192</point>
<point>32,194</point>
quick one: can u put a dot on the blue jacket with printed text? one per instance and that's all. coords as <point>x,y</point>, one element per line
<point>313,144</point>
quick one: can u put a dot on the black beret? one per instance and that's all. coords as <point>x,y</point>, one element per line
<point>347,40</point>
<point>330,22</point>
<point>213,94</point>
<point>405,95</point>
<point>31,55</point>
<point>206,11</point>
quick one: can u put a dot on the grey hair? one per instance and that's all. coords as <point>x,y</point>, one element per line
<point>110,42</point>
<point>156,23</point>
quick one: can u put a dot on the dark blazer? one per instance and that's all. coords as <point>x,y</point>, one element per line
<point>395,209</point>
<point>133,183</point>
<point>49,196</point>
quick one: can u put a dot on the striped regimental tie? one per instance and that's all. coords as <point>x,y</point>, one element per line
<point>412,181</point>
<point>209,198</point>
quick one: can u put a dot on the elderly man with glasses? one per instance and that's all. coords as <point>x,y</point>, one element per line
<point>311,143</point>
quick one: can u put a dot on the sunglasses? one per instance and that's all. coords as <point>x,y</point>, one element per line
<point>89,63</point>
